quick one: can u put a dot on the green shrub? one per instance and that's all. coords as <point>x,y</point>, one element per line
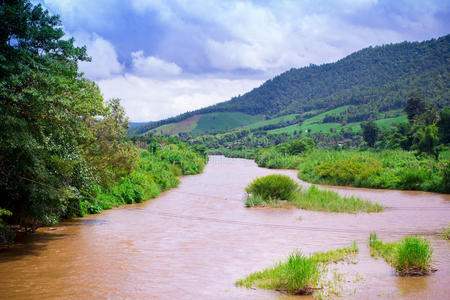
<point>273,187</point>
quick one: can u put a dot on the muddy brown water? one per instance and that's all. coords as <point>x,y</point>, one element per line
<point>195,241</point>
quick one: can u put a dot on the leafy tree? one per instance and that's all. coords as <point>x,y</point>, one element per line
<point>370,132</point>
<point>414,106</point>
<point>426,140</point>
<point>53,122</point>
<point>444,125</point>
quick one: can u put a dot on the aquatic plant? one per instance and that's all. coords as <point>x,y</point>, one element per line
<point>298,274</point>
<point>311,199</point>
<point>413,256</point>
<point>327,200</point>
<point>410,257</point>
<point>446,233</point>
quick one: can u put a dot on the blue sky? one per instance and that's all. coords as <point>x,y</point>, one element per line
<point>163,58</point>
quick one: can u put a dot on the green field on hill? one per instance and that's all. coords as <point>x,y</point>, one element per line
<point>271,121</point>
<point>218,122</point>
<point>315,126</point>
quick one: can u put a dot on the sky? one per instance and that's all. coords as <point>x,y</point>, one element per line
<point>166,57</point>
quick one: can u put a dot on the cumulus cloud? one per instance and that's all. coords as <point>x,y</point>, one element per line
<point>148,99</point>
<point>152,66</point>
<point>146,49</point>
<point>104,62</point>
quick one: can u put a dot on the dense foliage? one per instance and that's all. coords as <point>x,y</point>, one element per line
<point>156,172</point>
<point>373,80</point>
<point>63,150</point>
<point>389,169</point>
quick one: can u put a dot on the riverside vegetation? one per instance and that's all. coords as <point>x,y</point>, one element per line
<point>64,151</point>
<point>299,274</point>
<point>276,190</point>
<point>410,257</point>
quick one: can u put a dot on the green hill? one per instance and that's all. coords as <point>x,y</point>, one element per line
<point>368,83</point>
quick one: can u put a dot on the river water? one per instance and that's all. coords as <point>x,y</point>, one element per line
<point>195,241</point>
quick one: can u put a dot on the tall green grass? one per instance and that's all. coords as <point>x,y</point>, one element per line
<point>298,274</point>
<point>388,169</point>
<point>326,200</point>
<point>410,257</point>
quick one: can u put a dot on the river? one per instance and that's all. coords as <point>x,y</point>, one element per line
<point>195,241</point>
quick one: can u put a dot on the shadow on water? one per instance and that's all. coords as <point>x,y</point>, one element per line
<point>28,245</point>
<point>83,222</point>
<point>33,244</point>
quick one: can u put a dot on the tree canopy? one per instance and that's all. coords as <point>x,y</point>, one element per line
<point>53,121</point>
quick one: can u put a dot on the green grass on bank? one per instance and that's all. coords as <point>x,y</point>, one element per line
<point>276,190</point>
<point>299,274</point>
<point>387,169</point>
<point>156,172</point>
<point>410,257</point>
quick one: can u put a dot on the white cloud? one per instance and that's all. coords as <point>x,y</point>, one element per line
<point>148,99</point>
<point>153,66</point>
<point>104,62</point>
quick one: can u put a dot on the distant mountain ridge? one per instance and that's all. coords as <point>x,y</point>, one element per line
<point>372,80</point>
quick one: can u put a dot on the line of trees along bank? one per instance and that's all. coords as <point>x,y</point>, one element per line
<point>63,151</point>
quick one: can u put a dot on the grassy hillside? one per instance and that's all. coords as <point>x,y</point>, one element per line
<point>184,126</point>
<point>368,83</point>
<point>273,121</point>
<point>316,124</point>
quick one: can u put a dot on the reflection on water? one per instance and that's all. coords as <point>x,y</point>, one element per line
<point>195,241</point>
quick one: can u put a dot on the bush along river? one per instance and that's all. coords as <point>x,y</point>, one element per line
<point>196,241</point>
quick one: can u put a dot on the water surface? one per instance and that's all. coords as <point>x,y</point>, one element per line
<point>195,241</point>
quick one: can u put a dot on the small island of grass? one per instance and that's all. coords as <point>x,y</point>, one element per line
<point>276,190</point>
<point>299,274</point>
<point>410,257</point>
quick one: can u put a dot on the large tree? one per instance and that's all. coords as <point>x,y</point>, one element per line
<point>46,111</point>
<point>370,132</point>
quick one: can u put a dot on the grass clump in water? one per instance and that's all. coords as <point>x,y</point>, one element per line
<point>276,190</point>
<point>334,256</point>
<point>299,274</point>
<point>410,257</point>
<point>446,234</point>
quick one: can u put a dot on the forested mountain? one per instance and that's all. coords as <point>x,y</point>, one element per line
<point>372,80</point>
